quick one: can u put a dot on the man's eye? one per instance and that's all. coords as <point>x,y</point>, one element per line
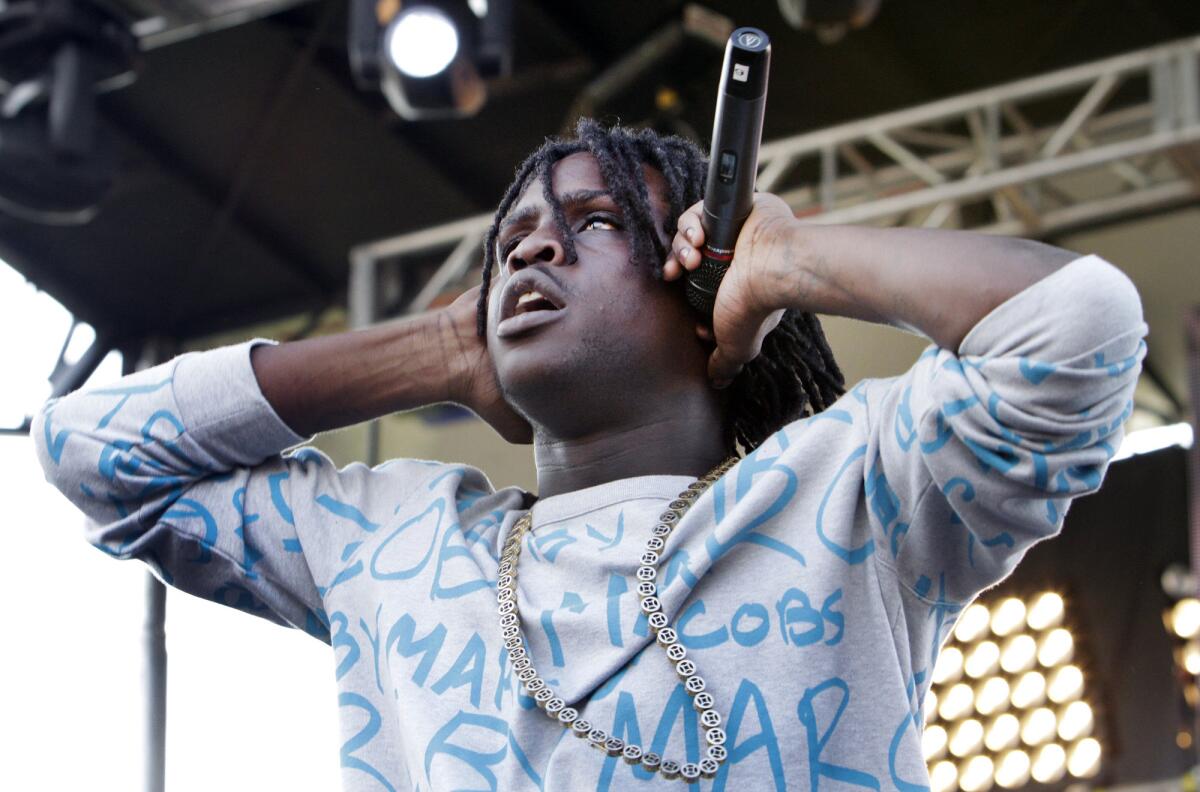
<point>508,247</point>
<point>600,223</point>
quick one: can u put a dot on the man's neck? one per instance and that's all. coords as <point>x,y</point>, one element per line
<point>684,441</point>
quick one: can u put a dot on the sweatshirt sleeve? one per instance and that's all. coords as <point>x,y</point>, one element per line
<point>180,466</point>
<point>975,455</point>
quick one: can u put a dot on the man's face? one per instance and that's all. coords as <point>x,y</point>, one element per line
<point>590,330</point>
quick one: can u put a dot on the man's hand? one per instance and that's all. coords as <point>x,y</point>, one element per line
<point>744,311</point>
<point>933,282</point>
<point>476,386</point>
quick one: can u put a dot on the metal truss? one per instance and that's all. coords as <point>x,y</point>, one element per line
<point>1081,146</point>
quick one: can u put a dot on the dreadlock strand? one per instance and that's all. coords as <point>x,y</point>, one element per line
<point>489,244</point>
<point>565,233</point>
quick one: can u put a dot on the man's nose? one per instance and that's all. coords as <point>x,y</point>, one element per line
<point>540,247</point>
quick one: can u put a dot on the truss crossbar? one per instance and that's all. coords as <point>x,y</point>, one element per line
<point>1083,145</point>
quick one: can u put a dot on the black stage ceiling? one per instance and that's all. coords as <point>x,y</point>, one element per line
<point>251,163</point>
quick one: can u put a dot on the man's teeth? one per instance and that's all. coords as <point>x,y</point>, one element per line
<point>529,297</point>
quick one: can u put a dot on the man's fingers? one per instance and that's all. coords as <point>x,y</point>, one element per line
<point>689,237</point>
<point>688,256</point>
<point>722,367</point>
<point>736,346</point>
<point>738,342</point>
<point>671,268</point>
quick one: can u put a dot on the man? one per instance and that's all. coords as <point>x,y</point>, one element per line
<point>773,625</point>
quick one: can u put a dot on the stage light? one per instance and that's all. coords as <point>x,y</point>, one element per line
<point>1045,612</point>
<point>1015,653</point>
<point>933,743</point>
<point>430,57</point>
<point>421,41</point>
<point>1185,618</point>
<point>992,696</point>
<point>967,739</point>
<point>1030,690</point>
<point>976,775</point>
<point>1002,733</point>
<point>1038,726</point>
<point>943,777</point>
<point>59,159</point>
<point>949,666</point>
<point>1146,440</point>
<point>1075,721</point>
<point>1065,685</point>
<point>830,20</point>
<point>1084,761</point>
<point>1055,648</point>
<point>1008,616</point>
<point>1019,654</point>
<point>929,709</point>
<point>957,702</point>
<point>1049,764</point>
<point>1013,770</point>
<point>972,624</point>
<point>983,660</point>
<point>1191,657</point>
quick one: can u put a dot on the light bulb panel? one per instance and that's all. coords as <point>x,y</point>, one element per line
<point>1008,695</point>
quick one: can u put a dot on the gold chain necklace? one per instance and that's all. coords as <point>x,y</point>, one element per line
<point>666,637</point>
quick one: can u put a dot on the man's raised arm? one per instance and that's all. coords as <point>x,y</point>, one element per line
<point>329,382</point>
<point>181,465</point>
<point>933,282</point>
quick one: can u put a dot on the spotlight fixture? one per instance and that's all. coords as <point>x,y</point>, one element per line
<point>1030,690</point>
<point>1013,770</point>
<point>1049,764</point>
<point>829,19</point>
<point>1009,616</point>
<point>992,696</point>
<point>973,623</point>
<point>1007,706</point>
<point>421,41</point>
<point>1002,733</point>
<point>57,160</point>
<point>430,58</point>
<point>1076,721</point>
<point>943,776</point>
<point>949,666</point>
<point>982,660</point>
<point>1185,618</point>
<point>976,775</point>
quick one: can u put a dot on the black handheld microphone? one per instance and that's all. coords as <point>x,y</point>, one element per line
<point>733,161</point>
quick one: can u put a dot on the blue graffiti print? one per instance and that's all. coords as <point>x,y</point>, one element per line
<point>362,738</point>
<point>454,546</point>
<point>722,540</point>
<point>466,670</point>
<point>428,521</point>
<point>742,746</point>
<point>341,638</point>
<point>851,555</point>
<point>402,635</point>
<point>474,730</point>
<point>818,737</point>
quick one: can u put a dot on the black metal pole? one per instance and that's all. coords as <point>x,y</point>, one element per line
<point>154,636</point>
<point>154,659</point>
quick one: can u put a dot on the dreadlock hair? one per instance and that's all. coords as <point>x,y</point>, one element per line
<point>795,374</point>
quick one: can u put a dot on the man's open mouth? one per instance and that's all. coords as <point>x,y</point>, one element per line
<point>530,291</point>
<point>533,301</point>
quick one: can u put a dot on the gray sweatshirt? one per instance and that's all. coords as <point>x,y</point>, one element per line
<point>812,585</point>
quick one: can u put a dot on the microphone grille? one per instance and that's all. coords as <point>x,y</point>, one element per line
<point>702,285</point>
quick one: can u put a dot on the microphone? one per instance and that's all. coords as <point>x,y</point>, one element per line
<point>733,160</point>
